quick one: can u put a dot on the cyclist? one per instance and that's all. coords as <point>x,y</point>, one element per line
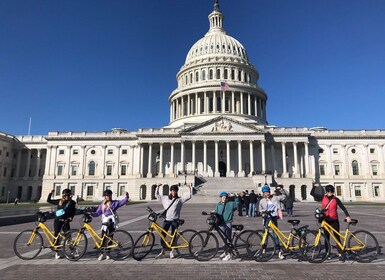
<point>225,209</point>
<point>108,209</point>
<point>329,205</point>
<point>67,207</point>
<point>272,203</point>
<point>172,204</point>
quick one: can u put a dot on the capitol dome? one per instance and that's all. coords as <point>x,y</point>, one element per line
<point>217,78</point>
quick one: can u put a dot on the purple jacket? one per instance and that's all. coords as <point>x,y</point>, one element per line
<point>115,204</point>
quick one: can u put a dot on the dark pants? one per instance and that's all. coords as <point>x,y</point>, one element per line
<point>240,209</point>
<point>274,220</point>
<point>336,225</point>
<point>166,227</point>
<point>60,225</point>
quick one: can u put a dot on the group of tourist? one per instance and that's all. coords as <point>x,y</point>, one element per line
<point>273,201</point>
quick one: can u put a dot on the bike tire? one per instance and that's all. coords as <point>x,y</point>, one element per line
<point>120,245</point>
<point>203,246</point>
<point>27,251</point>
<point>143,246</point>
<point>266,247</point>
<point>75,245</point>
<point>182,239</point>
<point>314,246</point>
<point>367,248</point>
<point>245,244</point>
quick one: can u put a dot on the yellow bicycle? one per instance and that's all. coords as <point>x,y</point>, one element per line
<point>361,245</point>
<point>268,240</point>
<point>29,243</point>
<point>116,244</point>
<point>178,241</point>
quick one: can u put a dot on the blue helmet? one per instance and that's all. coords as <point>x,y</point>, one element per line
<point>223,194</point>
<point>265,188</point>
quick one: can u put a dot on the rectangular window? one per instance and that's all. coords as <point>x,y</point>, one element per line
<point>61,152</point>
<point>5,172</point>
<point>357,191</point>
<point>109,170</point>
<point>75,152</point>
<point>124,152</point>
<point>7,154</point>
<point>123,170</point>
<point>2,191</point>
<point>90,190</point>
<point>60,170</point>
<point>1,151</point>
<point>376,191</point>
<point>74,170</point>
<point>336,169</point>
<point>322,169</point>
<point>72,188</point>
<point>58,190</point>
<point>110,151</point>
<point>335,150</point>
<point>374,169</point>
<point>372,150</point>
<point>122,190</point>
<point>339,190</point>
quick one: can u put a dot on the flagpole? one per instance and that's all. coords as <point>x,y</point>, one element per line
<point>29,126</point>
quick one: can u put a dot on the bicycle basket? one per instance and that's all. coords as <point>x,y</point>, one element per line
<point>319,214</point>
<point>214,219</point>
<point>41,217</point>
<point>87,219</point>
<point>152,217</point>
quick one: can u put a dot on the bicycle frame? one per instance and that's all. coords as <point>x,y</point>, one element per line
<point>160,230</point>
<point>283,239</point>
<point>52,239</point>
<point>96,238</point>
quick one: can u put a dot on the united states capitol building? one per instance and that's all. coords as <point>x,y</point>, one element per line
<point>218,138</point>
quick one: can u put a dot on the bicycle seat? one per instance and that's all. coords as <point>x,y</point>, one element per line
<point>294,222</point>
<point>180,222</point>
<point>237,227</point>
<point>353,222</point>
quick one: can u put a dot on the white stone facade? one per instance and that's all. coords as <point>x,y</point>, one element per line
<point>218,128</point>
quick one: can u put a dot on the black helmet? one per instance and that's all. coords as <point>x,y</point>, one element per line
<point>66,192</point>
<point>107,192</point>
<point>174,188</point>
<point>329,188</point>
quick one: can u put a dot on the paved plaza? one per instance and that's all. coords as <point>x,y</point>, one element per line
<point>134,219</point>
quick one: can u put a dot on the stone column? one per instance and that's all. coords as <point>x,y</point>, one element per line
<point>240,171</point>
<point>330,161</point>
<point>188,105</point>
<point>366,165</point>
<point>263,155</point>
<point>307,171</point>
<point>241,101</point>
<point>381,170</point>
<point>232,102</point>
<point>19,160</point>
<point>223,101</point>
<point>295,160</point>
<point>28,166</point>
<point>197,104</point>
<point>205,157</point>
<point>272,151</point>
<point>141,157</point>
<point>216,169</point>
<point>182,160</point>
<point>248,104</point>
<point>132,150</point>
<point>228,161</point>
<point>193,156</point>
<point>345,163</point>
<point>38,163</point>
<point>255,106</point>
<point>160,160</point>
<point>172,160</point>
<point>206,103</point>
<point>82,167</point>
<point>214,102</point>
<point>251,158</point>
<point>67,173</point>
<point>149,171</point>
<point>284,166</point>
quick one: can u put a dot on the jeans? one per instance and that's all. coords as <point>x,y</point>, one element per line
<point>226,228</point>
<point>274,220</point>
<point>166,226</point>
<point>252,210</point>
<point>289,211</point>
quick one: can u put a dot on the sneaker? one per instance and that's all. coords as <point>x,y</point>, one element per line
<point>227,257</point>
<point>107,257</point>
<point>58,256</point>
<point>160,255</point>
<point>223,255</point>
<point>101,257</point>
<point>172,254</point>
<point>280,255</point>
<point>341,258</point>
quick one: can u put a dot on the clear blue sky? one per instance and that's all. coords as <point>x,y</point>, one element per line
<point>91,65</point>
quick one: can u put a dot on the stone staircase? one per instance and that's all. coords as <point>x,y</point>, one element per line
<point>208,191</point>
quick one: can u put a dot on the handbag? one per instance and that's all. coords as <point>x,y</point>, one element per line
<point>61,212</point>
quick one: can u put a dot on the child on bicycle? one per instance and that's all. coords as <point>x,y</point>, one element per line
<point>225,209</point>
<point>108,209</point>
<point>329,205</point>
<point>272,203</point>
<point>172,204</point>
<point>68,209</point>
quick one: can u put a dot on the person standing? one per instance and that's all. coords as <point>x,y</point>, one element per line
<point>246,202</point>
<point>330,203</point>
<point>240,204</point>
<point>108,209</point>
<point>172,204</point>
<point>253,203</point>
<point>289,203</point>
<point>62,222</point>
<point>225,208</point>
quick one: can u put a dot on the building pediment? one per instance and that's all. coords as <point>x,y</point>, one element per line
<point>221,125</point>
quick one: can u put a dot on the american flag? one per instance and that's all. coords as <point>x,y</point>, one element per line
<point>224,86</point>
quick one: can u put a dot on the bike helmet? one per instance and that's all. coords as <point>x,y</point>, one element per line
<point>174,188</point>
<point>107,192</point>
<point>223,194</point>
<point>66,192</point>
<point>265,188</point>
<point>329,188</point>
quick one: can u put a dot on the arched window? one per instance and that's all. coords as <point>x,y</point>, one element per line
<point>218,75</point>
<point>225,74</point>
<point>203,75</point>
<point>355,168</point>
<point>211,74</point>
<point>91,168</point>
<point>196,76</point>
<point>191,78</point>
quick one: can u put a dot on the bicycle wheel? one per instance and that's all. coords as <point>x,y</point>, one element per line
<point>245,244</point>
<point>120,245</point>
<point>363,246</point>
<point>75,245</point>
<point>203,246</point>
<point>28,244</point>
<point>314,246</point>
<point>266,247</point>
<point>182,240</point>
<point>143,245</point>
